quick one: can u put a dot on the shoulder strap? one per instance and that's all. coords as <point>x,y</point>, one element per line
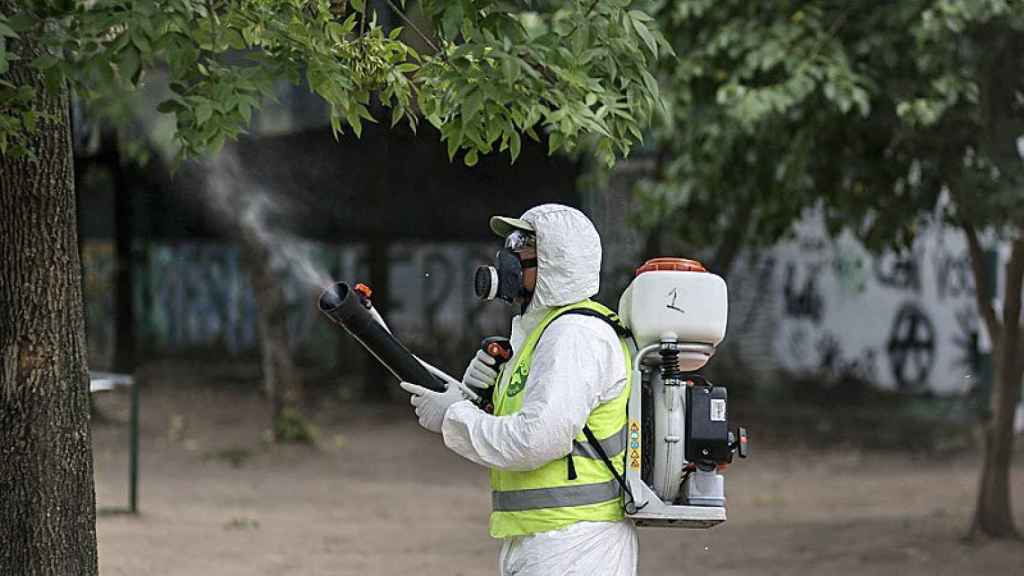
<point>612,320</point>
<point>611,467</point>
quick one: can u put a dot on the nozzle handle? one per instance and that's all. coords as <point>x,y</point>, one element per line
<point>499,348</point>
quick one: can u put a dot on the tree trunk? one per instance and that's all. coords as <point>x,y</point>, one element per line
<point>653,243</point>
<point>735,238</point>
<point>993,515</point>
<point>993,511</point>
<point>280,380</point>
<point>47,501</point>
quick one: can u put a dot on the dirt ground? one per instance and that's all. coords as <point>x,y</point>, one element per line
<point>379,495</point>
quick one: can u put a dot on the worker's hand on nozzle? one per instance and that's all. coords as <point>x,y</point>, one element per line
<point>431,406</point>
<point>481,373</point>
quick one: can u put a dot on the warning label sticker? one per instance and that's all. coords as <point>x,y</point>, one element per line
<point>718,410</point>
<point>634,445</point>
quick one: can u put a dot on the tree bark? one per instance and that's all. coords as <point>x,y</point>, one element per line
<point>653,243</point>
<point>735,238</point>
<point>993,515</point>
<point>280,380</point>
<point>47,500</point>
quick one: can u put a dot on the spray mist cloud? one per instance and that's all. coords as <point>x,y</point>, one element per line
<point>256,214</point>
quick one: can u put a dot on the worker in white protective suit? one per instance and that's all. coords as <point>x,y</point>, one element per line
<point>557,505</point>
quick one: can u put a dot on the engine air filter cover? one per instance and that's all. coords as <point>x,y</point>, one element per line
<point>707,424</point>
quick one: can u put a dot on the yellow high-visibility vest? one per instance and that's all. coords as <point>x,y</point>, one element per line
<point>577,487</point>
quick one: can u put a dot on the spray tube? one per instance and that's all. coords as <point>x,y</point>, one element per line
<point>352,309</point>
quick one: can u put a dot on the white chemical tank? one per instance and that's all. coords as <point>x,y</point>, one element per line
<point>675,298</point>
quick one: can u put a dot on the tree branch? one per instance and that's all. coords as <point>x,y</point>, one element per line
<point>586,15</point>
<point>735,236</point>
<point>977,256</point>
<point>275,26</point>
<point>415,28</point>
<point>544,71</point>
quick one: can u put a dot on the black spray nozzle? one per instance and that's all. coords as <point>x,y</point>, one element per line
<point>330,300</point>
<point>345,306</point>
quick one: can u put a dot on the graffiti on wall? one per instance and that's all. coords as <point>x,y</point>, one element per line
<point>194,295</point>
<point>191,296</point>
<point>898,271</point>
<point>903,321</point>
<point>911,348</point>
<point>953,276</point>
<point>803,300</point>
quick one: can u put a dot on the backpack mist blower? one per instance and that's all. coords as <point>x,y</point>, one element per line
<point>674,313</point>
<point>679,437</point>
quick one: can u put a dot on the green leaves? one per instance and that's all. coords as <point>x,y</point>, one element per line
<point>471,105</point>
<point>6,32</point>
<point>743,102</point>
<point>514,144</point>
<point>867,111</point>
<point>203,112</point>
<point>577,72</point>
<point>18,119</point>
<point>565,70</point>
<point>638,19</point>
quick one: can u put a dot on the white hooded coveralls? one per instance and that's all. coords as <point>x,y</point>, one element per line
<point>577,365</point>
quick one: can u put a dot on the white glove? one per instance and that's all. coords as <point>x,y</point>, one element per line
<point>481,374</point>
<point>431,406</point>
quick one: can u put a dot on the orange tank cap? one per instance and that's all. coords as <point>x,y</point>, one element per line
<point>671,264</point>
<point>363,290</point>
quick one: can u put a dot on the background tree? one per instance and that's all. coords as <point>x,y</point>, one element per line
<point>47,511</point>
<point>946,119</point>
<point>757,84</point>
<point>496,70</point>
<point>880,113</point>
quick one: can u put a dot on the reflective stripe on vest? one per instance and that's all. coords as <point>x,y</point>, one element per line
<point>613,445</point>
<point>534,498</point>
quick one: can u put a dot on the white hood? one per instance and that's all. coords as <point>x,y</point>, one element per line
<point>568,255</point>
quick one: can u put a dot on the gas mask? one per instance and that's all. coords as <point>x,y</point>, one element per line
<point>504,280</point>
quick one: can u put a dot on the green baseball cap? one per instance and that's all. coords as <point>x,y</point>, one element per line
<point>503,225</point>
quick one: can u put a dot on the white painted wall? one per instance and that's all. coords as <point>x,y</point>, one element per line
<point>902,321</point>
